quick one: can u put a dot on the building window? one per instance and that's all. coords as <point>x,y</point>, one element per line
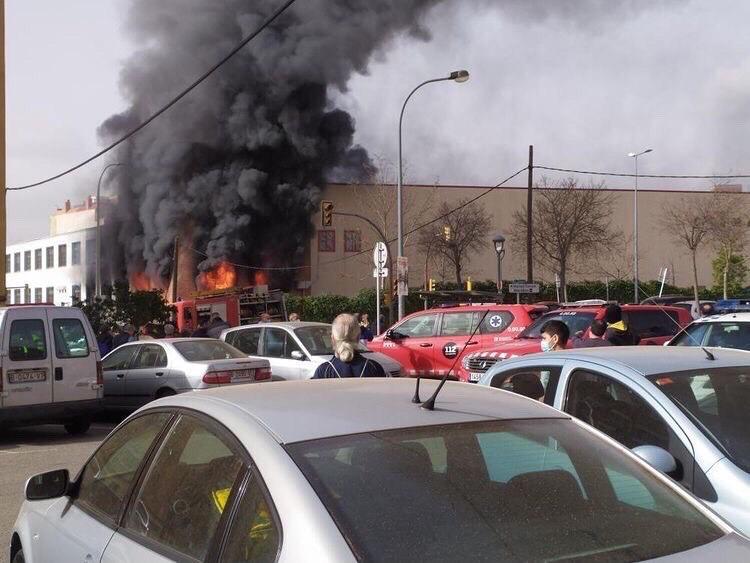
<point>352,241</point>
<point>91,251</point>
<point>27,261</point>
<point>50,256</point>
<point>50,295</point>
<point>7,263</point>
<point>75,254</point>
<point>62,255</point>
<point>37,295</point>
<point>16,296</point>
<point>327,241</point>
<point>17,262</point>
<point>38,259</point>
<point>76,293</point>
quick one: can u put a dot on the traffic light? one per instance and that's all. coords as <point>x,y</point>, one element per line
<point>326,213</point>
<point>468,283</point>
<point>431,286</point>
<point>447,233</point>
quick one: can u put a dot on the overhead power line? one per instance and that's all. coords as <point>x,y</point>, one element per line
<point>169,104</point>
<point>667,176</point>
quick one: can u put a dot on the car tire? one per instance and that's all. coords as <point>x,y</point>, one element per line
<point>77,427</point>
<point>165,392</point>
<point>19,557</point>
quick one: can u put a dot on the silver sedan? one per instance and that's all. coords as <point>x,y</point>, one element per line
<point>139,372</point>
<point>353,470</point>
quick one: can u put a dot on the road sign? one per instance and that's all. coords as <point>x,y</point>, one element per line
<point>380,254</point>
<point>402,275</point>
<point>380,273</point>
<point>524,288</point>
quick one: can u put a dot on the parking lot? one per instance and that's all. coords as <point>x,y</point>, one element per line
<point>27,451</point>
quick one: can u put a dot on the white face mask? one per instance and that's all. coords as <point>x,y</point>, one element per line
<point>547,345</point>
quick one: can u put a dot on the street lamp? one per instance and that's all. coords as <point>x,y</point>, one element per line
<point>98,283</point>
<point>635,156</point>
<point>458,76</point>
<point>499,241</point>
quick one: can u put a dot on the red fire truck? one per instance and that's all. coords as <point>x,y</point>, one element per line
<point>239,306</point>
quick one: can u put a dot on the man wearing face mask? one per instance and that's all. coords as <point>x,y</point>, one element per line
<point>555,336</point>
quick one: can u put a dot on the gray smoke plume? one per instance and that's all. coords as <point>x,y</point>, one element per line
<point>237,167</point>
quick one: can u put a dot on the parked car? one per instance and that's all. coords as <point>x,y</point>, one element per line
<point>359,473</point>
<point>654,324</point>
<point>692,405</point>
<point>139,372</point>
<point>720,331</point>
<point>428,343</point>
<point>49,370</point>
<point>295,349</point>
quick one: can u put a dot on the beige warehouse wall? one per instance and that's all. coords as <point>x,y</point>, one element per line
<point>342,273</point>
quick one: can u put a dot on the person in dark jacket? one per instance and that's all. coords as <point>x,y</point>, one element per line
<point>347,361</point>
<point>365,332</point>
<point>105,342</point>
<point>597,330</point>
<point>126,334</point>
<point>618,333</point>
<point>217,326</point>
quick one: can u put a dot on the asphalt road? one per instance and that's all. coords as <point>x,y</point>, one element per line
<point>28,451</point>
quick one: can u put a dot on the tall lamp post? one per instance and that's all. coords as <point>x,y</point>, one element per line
<point>499,242</point>
<point>635,155</point>
<point>456,76</point>
<point>98,283</point>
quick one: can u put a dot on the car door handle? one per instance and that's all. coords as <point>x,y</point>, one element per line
<point>472,343</point>
<point>120,375</point>
<point>159,373</point>
<point>58,374</point>
<point>425,345</point>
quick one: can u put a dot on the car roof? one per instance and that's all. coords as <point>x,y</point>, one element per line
<point>647,360</point>
<point>726,317</point>
<point>294,411</point>
<point>482,306</point>
<point>284,324</point>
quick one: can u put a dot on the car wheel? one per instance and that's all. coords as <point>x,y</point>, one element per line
<point>18,557</point>
<point>77,427</point>
<point>165,392</point>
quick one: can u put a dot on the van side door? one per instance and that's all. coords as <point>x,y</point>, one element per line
<point>27,359</point>
<point>74,358</point>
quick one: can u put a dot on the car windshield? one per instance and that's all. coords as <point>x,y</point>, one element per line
<point>206,350</point>
<point>317,340</point>
<point>497,491</point>
<point>716,334</point>
<point>718,402</point>
<point>578,323</point>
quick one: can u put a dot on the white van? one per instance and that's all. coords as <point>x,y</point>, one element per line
<point>50,369</point>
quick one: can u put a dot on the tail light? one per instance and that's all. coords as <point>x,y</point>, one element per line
<point>217,377</point>
<point>99,374</point>
<point>262,374</point>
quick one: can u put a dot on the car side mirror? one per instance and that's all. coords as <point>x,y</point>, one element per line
<point>658,458</point>
<point>297,355</point>
<point>53,484</point>
<point>391,334</point>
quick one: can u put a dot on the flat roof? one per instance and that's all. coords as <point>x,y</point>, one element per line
<point>294,411</point>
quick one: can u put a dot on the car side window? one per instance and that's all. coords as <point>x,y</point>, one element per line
<point>729,335</point>
<point>536,382</point>
<point>107,477</point>
<point>290,345</point>
<point>496,322</point>
<point>28,341</point>
<point>246,340</point>
<point>274,340</point>
<point>456,324</point>
<point>70,338</point>
<point>119,359</point>
<point>421,326</point>
<point>186,489</point>
<point>150,356</point>
<point>692,335</point>
<point>652,324</point>
<point>254,534</point>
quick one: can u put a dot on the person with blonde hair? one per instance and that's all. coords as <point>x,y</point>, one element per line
<point>347,361</point>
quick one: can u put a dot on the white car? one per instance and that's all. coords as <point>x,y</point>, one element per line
<point>352,470</point>
<point>730,330</point>
<point>295,349</point>
<point>139,372</point>
<point>691,404</point>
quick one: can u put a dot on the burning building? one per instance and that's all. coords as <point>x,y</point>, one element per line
<point>236,168</point>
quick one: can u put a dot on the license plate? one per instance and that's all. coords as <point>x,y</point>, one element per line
<point>27,376</point>
<point>243,375</point>
<point>474,376</point>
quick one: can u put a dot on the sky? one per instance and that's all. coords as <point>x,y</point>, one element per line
<point>582,82</point>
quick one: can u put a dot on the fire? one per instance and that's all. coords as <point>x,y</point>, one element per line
<point>261,278</point>
<point>139,281</point>
<point>223,276</point>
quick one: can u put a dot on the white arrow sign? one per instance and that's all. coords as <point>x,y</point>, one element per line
<point>380,254</point>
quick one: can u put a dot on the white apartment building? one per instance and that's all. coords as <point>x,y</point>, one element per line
<point>60,268</point>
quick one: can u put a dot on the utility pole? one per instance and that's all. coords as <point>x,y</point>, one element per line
<point>529,215</point>
<point>175,268</point>
<point>3,290</point>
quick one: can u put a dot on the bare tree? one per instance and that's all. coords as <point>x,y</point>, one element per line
<point>727,224</point>
<point>571,222</point>
<point>689,225</point>
<point>462,233</point>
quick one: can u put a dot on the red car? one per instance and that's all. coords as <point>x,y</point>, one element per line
<point>654,325</point>
<point>429,343</point>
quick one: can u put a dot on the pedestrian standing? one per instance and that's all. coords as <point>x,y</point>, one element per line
<point>618,333</point>
<point>347,361</point>
<point>125,335</point>
<point>169,330</point>
<point>217,326</point>
<point>105,342</point>
<point>596,336</point>
<point>365,332</point>
<point>265,318</point>
<point>145,333</point>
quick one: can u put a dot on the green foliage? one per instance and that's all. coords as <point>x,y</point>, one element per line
<point>736,275</point>
<point>120,306</point>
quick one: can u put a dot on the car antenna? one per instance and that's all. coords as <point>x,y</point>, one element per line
<point>429,404</point>
<point>709,355</point>
<point>415,399</point>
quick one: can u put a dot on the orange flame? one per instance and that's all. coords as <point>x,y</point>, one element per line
<point>139,281</point>
<point>223,276</point>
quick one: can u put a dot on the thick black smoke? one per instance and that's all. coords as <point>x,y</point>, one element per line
<point>239,164</point>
